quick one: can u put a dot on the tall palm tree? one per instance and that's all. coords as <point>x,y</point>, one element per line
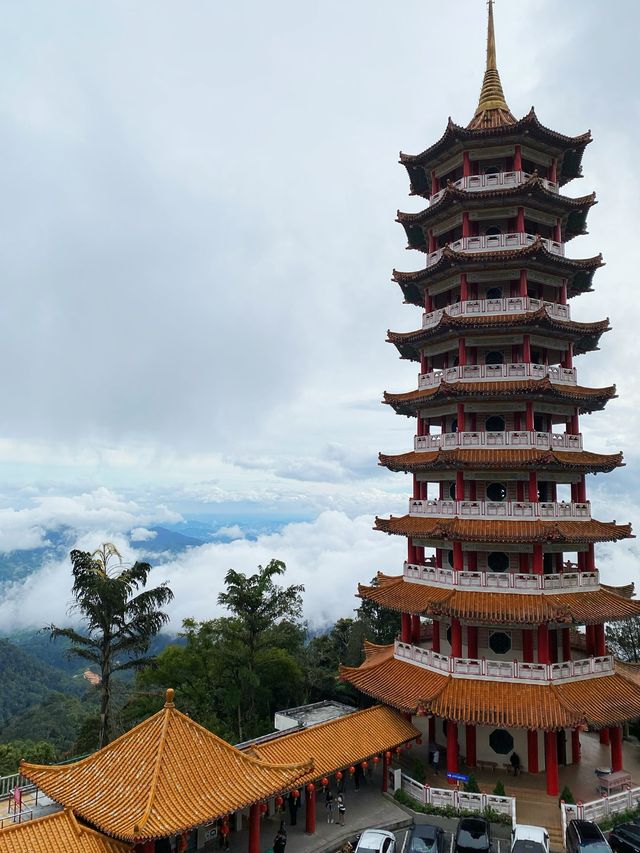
<point>120,621</point>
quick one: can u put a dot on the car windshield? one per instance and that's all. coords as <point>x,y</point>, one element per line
<point>595,847</point>
<point>421,845</point>
<point>468,842</point>
<point>528,847</point>
<point>632,829</point>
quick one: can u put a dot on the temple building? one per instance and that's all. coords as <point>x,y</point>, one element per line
<point>502,644</point>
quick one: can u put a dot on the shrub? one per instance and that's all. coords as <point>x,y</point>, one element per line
<point>448,811</point>
<point>418,771</point>
<point>499,789</point>
<point>620,817</point>
<point>472,787</point>
<point>567,796</point>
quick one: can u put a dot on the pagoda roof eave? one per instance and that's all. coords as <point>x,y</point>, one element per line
<point>501,458</point>
<point>501,531</point>
<point>456,136</point>
<point>491,608</point>
<point>496,703</point>
<point>589,399</point>
<point>58,832</point>
<point>136,774</point>
<point>585,336</point>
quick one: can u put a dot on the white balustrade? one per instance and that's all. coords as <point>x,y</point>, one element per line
<point>517,439</point>
<point>567,581</point>
<point>498,373</point>
<point>494,180</point>
<point>513,670</point>
<point>496,243</point>
<point>513,510</point>
<point>491,307</point>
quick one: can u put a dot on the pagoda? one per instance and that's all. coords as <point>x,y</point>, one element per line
<point>502,643</point>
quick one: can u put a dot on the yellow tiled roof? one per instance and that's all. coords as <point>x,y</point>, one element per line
<point>166,775</point>
<point>57,833</point>
<point>342,742</point>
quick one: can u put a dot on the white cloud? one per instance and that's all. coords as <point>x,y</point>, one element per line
<point>141,534</point>
<point>232,531</point>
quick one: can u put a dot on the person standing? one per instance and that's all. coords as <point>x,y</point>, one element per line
<point>436,760</point>
<point>342,809</point>
<point>280,841</point>
<point>329,804</point>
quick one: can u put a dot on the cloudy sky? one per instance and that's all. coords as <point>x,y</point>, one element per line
<point>196,242</point>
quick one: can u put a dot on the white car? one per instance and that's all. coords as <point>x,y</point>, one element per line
<point>529,839</point>
<point>376,841</point>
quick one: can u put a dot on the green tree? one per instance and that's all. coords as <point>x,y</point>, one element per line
<point>382,624</point>
<point>39,752</point>
<point>120,620</point>
<point>623,638</point>
<point>257,604</point>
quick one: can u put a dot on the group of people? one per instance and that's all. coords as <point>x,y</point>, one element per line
<point>331,803</point>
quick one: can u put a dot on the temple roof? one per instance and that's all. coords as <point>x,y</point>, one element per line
<point>568,149</point>
<point>578,271</point>
<point>165,776</point>
<point>493,530</point>
<point>492,109</point>
<point>589,399</point>
<point>57,833</point>
<point>584,335</point>
<point>503,459</point>
<point>533,191</point>
<point>408,687</point>
<point>579,608</point>
<point>340,743</point>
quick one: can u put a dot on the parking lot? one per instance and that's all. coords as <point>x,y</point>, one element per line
<point>498,845</point>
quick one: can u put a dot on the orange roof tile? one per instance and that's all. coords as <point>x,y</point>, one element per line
<point>342,742</point>
<point>580,608</point>
<point>166,775</point>
<point>611,700</point>
<point>504,458</point>
<point>57,833</point>
<point>490,530</point>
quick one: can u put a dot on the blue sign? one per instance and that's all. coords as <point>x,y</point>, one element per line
<point>458,777</point>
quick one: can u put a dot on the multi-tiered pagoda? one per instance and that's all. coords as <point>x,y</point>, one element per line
<point>502,643</point>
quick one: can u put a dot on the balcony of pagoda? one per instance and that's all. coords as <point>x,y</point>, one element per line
<point>514,670</point>
<point>498,373</point>
<point>570,580</point>
<point>502,510</point>
<point>496,243</point>
<point>493,181</point>
<point>496,307</point>
<point>521,440</point>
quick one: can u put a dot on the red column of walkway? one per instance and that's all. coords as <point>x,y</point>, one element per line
<point>472,642</point>
<point>452,747</point>
<point>310,810</point>
<point>254,828</point>
<point>527,645</point>
<point>435,644</point>
<point>470,738</point>
<point>415,629</point>
<point>551,763</point>
<point>615,735</point>
<point>532,751</point>
<point>405,628</point>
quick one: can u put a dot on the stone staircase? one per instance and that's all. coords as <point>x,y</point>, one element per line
<point>535,808</point>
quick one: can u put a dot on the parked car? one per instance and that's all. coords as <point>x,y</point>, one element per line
<point>376,841</point>
<point>583,836</point>
<point>529,839</point>
<point>625,838</point>
<point>473,836</point>
<point>426,838</point>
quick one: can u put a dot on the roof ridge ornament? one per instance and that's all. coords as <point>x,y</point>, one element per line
<point>492,109</point>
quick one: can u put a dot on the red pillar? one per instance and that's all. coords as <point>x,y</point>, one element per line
<point>452,747</point>
<point>551,763</point>
<point>553,170</point>
<point>435,643</point>
<point>590,558</point>
<point>405,628</point>
<point>529,417</point>
<point>604,737</point>
<point>466,164</point>
<point>470,738</point>
<point>472,643</point>
<point>459,492</point>
<point>591,644</point>
<point>527,646</point>
<point>575,746</point>
<point>460,415</point>
<point>600,647</point>
<point>415,629</point>
<point>464,288</point>
<point>532,751</point>
<point>537,559</point>
<point>566,643</point>
<point>523,283</point>
<point>520,221</point>
<point>456,640</point>
<point>526,349</point>
<point>568,357</point>
<point>254,828</point>
<point>466,225</point>
<point>472,556</point>
<point>385,773</point>
<point>458,560</point>
<point>533,487</point>
<point>615,736</point>
<point>517,159</point>
<point>553,646</point>
<point>543,643</point>
<point>310,810</point>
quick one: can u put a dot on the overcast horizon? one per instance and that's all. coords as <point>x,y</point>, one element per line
<point>197,242</point>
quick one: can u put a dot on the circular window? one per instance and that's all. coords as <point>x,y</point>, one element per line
<point>496,492</point>
<point>501,741</point>
<point>494,357</point>
<point>494,293</point>
<point>494,423</point>
<point>498,561</point>
<point>500,642</point>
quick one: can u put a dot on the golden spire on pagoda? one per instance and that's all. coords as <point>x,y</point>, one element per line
<point>492,110</point>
